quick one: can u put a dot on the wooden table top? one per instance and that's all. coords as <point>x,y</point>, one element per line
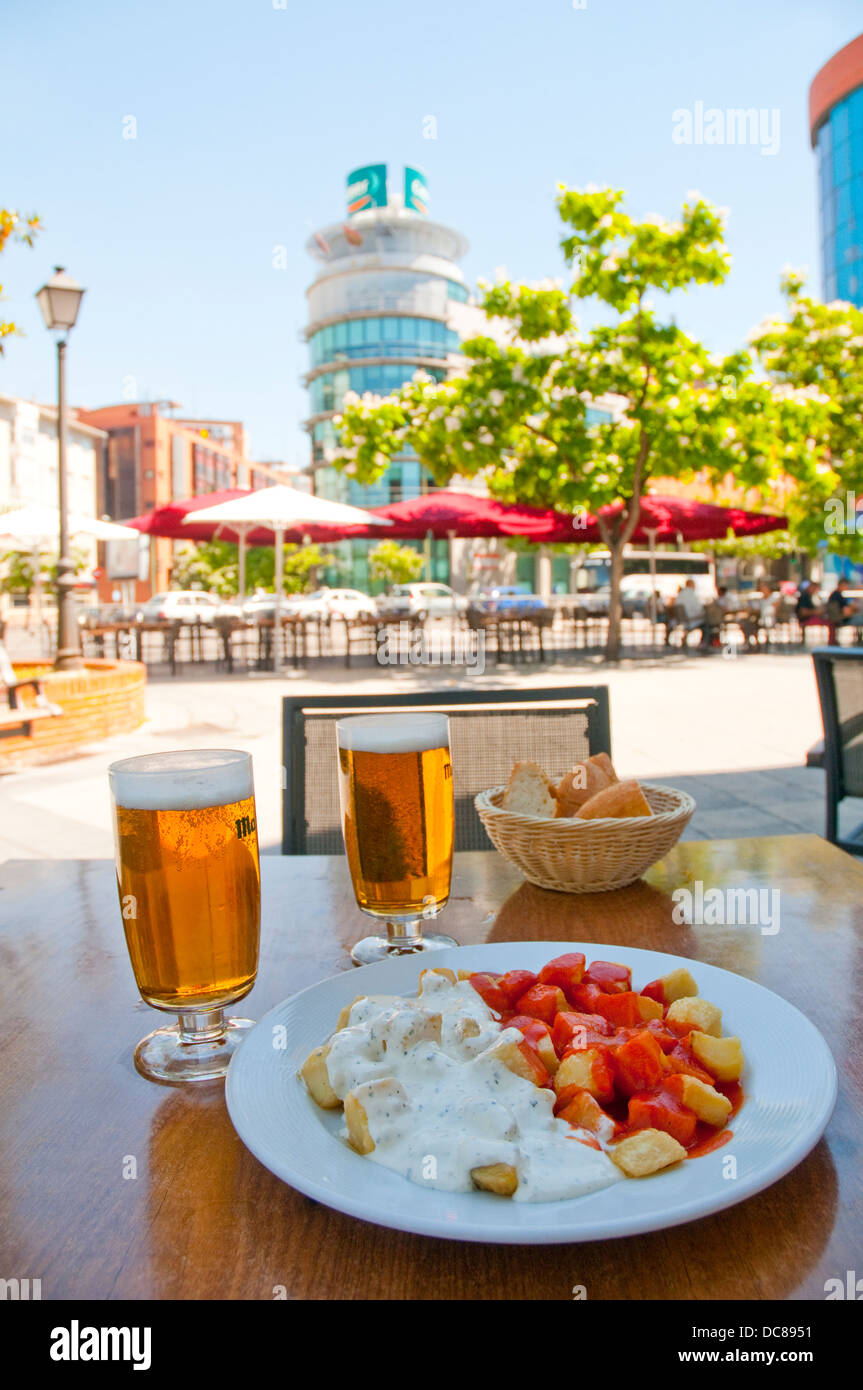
<point>203,1219</point>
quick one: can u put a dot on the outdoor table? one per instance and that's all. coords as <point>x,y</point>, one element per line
<point>203,1219</point>
<point>366,632</point>
<point>512,628</point>
<point>134,630</point>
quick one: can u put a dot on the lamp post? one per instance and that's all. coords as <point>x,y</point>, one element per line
<point>60,299</point>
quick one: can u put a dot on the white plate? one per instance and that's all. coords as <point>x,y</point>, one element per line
<point>789,1085</point>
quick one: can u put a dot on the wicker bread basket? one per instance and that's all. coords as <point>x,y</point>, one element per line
<point>586,856</point>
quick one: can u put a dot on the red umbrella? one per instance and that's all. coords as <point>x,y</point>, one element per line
<point>449,512</point>
<point>670,517</point>
<point>167,521</point>
<point>666,519</point>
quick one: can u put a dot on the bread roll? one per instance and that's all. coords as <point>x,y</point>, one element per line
<point>528,791</point>
<point>619,800</point>
<point>604,761</point>
<point>578,786</point>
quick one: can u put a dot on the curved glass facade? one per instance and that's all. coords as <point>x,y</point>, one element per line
<point>382,337</point>
<point>839,157</point>
<point>383,290</point>
<point>328,391</point>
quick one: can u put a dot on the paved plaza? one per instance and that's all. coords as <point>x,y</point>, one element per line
<point>732,732</point>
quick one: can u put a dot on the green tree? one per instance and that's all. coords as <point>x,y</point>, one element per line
<point>21,568</point>
<point>394,563</point>
<point>14,227</point>
<point>519,413</point>
<point>818,349</point>
<point>214,566</point>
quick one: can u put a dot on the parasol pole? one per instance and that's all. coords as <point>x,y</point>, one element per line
<point>277,610</point>
<point>241,570</point>
<point>651,541</point>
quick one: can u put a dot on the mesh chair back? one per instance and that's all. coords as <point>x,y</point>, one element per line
<point>845,719</point>
<point>488,734</point>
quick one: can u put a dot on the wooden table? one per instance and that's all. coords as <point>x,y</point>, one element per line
<point>203,1219</point>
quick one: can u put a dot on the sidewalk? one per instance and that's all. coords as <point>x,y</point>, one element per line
<point>734,733</point>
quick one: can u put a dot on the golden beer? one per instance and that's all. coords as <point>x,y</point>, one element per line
<point>395,782</point>
<point>188,877</point>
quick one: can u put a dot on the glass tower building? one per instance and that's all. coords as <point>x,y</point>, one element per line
<point>836,127</point>
<point>389,299</point>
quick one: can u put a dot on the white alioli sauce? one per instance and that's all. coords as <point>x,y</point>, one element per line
<point>438,1109</point>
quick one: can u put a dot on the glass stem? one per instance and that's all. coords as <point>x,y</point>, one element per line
<point>206,1027</point>
<point>403,934</point>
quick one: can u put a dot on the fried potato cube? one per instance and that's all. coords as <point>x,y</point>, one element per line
<point>513,1057</point>
<point>646,1152</point>
<point>314,1073</point>
<point>464,975</point>
<point>547,1054</point>
<point>344,1018</point>
<point>648,1008</point>
<point>589,1071</point>
<point>359,1134</point>
<point>678,984</point>
<point>438,970</point>
<point>704,1101</point>
<point>466,1028</point>
<point>687,1014</point>
<point>722,1057</point>
<point>496,1177</point>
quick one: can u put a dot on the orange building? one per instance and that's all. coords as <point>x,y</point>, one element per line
<point>152,456</point>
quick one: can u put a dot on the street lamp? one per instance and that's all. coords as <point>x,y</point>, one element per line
<point>60,299</point>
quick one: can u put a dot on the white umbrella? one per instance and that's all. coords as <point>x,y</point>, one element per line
<point>280,509</point>
<point>36,524</point>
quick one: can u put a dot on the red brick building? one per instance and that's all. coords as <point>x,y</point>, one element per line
<point>151,456</point>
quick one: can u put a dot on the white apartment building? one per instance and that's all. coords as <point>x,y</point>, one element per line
<point>28,457</point>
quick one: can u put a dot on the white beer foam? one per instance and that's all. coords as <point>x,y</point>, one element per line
<point>394,733</point>
<point>187,780</point>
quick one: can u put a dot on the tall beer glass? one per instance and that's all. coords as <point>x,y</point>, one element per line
<point>190,894</point>
<point>395,786</point>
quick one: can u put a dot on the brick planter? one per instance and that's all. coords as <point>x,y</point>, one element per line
<point>106,698</point>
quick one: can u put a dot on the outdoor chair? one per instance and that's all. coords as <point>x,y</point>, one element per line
<point>490,731</point>
<point>22,711</point>
<point>676,618</point>
<point>839,674</point>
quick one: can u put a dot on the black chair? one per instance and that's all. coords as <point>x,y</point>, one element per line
<point>839,673</point>
<point>490,730</point>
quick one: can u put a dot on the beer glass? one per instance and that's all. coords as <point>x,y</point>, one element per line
<point>395,788</point>
<point>189,881</point>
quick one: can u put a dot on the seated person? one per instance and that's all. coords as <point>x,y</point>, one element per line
<point>714,617</point>
<point>839,610</point>
<point>806,608</point>
<point>687,611</point>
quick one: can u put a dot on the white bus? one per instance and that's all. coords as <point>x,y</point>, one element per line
<point>672,568</point>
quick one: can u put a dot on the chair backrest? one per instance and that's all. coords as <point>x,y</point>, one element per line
<point>490,730</point>
<point>839,673</point>
<point>8,677</point>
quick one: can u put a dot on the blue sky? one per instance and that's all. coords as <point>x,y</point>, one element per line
<point>249,116</point>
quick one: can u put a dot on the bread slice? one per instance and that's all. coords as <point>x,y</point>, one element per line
<point>528,791</point>
<point>603,761</point>
<point>619,800</point>
<point>579,785</point>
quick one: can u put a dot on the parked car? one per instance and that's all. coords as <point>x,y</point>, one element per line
<point>508,597</point>
<point>331,603</point>
<point>185,606</point>
<point>422,600</point>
